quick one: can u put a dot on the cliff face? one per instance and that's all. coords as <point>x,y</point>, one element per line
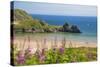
<point>24,22</point>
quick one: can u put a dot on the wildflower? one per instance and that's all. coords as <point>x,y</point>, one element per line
<point>20,57</point>
<point>28,52</point>
<point>61,50</point>
<point>42,56</point>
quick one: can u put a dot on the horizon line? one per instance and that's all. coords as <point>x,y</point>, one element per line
<point>61,15</point>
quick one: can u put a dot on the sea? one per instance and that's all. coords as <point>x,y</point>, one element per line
<point>87,25</point>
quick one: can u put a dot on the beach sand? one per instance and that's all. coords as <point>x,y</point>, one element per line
<point>48,44</point>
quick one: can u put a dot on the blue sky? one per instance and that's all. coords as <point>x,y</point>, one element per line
<point>56,9</point>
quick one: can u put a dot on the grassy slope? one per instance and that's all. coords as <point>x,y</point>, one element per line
<point>22,20</point>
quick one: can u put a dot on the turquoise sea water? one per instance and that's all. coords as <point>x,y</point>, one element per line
<point>87,25</point>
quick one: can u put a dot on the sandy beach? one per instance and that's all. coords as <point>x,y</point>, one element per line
<point>48,44</point>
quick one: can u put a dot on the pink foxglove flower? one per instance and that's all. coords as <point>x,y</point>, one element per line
<point>61,50</point>
<point>28,53</point>
<point>20,57</point>
<point>42,56</point>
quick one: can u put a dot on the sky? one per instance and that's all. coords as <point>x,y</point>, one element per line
<point>56,9</point>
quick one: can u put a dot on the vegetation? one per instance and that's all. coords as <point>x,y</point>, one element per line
<point>54,55</point>
<point>23,22</point>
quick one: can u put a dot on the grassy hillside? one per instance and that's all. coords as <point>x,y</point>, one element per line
<point>24,22</point>
<point>21,15</point>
